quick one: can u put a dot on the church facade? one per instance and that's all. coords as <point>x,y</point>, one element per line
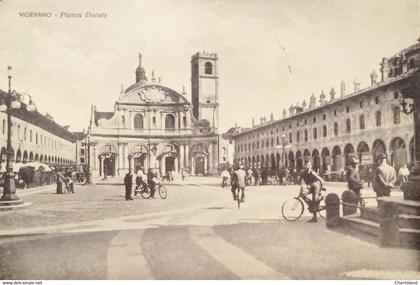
<point>154,126</point>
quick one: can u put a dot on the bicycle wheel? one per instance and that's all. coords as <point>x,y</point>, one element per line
<point>292,209</point>
<point>162,192</point>
<point>322,211</point>
<point>145,193</point>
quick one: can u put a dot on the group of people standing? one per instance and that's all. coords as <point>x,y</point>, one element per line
<point>140,179</point>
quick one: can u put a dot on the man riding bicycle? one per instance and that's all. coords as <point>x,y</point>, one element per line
<point>238,182</point>
<point>313,181</point>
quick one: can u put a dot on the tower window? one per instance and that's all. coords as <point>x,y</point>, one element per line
<point>184,119</point>
<point>348,126</point>
<point>397,115</point>
<point>138,121</point>
<point>208,68</point>
<point>362,122</point>
<point>378,119</point>
<point>169,122</point>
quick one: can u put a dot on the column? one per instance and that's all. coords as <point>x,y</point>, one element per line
<point>176,163</point>
<point>192,165</point>
<point>206,161</point>
<point>123,155</point>
<point>211,155</point>
<point>120,157</point>
<point>181,156</point>
<point>101,164</point>
<point>187,157</point>
<point>162,166</point>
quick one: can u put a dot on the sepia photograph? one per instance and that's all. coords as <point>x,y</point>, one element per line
<point>209,140</point>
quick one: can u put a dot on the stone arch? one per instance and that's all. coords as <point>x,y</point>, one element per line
<point>316,161</point>
<point>363,153</point>
<point>31,156</point>
<point>299,160</point>
<point>41,158</point>
<point>291,159</point>
<point>326,160</point>
<point>348,153</point>
<point>25,156</point>
<point>36,158</point>
<point>273,161</point>
<point>307,156</point>
<point>337,158</point>
<point>378,147</point>
<point>138,121</point>
<point>19,156</point>
<point>398,152</point>
<point>169,122</point>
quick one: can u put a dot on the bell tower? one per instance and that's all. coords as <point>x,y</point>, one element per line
<point>205,88</point>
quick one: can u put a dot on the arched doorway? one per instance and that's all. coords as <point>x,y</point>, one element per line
<point>199,165</point>
<point>18,156</point>
<point>337,159</point>
<point>25,156</point>
<point>307,156</point>
<point>108,164</point>
<point>299,160</point>
<point>199,159</point>
<point>378,148</point>
<point>411,147</point>
<point>36,158</point>
<point>273,162</point>
<point>31,156</point>
<point>348,153</point>
<point>291,160</point>
<point>363,153</point>
<point>326,160</point>
<point>398,153</point>
<point>316,161</point>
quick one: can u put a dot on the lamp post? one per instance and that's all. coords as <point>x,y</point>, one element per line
<point>89,174</point>
<point>283,141</point>
<point>11,101</point>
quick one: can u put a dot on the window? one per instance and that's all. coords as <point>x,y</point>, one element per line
<point>290,138</point>
<point>306,135</point>
<point>36,138</point>
<point>24,133</point>
<point>138,121</point>
<point>378,118</point>
<point>184,121</point>
<point>30,135</point>
<point>361,104</point>
<point>348,126</point>
<point>397,115</point>
<point>315,133</point>
<point>324,131</point>
<point>411,63</point>
<point>305,122</point>
<point>258,144</point>
<point>396,95</point>
<point>347,109</point>
<point>297,136</point>
<point>82,151</point>
<point>377,100</point>
<point>154,120</point>
<point>335,113</point>
<point>314,119</point>
<point>324,117</point>
<point>123,121</point>
<point>18,131</point>
<point>272,141</point>
<point>82,160</point>
<point>278,141</point>
<point>208,68</point>
<point>362,122</point>
<point>297,124</point>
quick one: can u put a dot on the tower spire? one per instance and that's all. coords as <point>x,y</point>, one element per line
<point>140,73</point>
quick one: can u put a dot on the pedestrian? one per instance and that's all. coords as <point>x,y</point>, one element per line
<point>183,174</point>
<point>314,182</point>
<point>353,177</point>
<point>225,177</point>
<point>151,176</point>
<point>238,182</point>
<point>128,182</point>
<point>60,181</point>
<point>70,185</point>
<point>403,174</point>
<point>384,177</point>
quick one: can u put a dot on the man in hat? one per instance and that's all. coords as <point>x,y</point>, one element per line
<point>238,182</point>
<point>353,177</point>
<point>384,177</point>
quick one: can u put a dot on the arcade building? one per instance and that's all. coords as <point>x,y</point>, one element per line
<point>154,126</point>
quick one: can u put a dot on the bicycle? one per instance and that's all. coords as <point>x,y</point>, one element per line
<point>146,192</point>
<point>237,199</point>
<point>293,209</point>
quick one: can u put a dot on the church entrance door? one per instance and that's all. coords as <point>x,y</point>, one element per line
<point>109,166</point>
<point>169,164</point>
<point>199,165</point>
<point>138,162</point>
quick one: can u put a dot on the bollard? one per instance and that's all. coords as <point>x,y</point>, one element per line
<point>349,199</point>
<point>332,202</point>
<point>388,225</point>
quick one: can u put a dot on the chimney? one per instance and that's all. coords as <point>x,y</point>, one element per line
<point>284,113</point>
<point>312,101</point>
<point>332,94</point>
<point>271,117</point>
<point>291,108</point>
<point>356,84</point>
<point>304,105</point>
<point>322,98</point>
<point>343,88</point>
<point>373,78</point>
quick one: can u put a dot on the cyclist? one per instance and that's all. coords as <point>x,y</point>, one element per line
<point>151,176</point>
<point>353,178</point>
<point>238,182</point>
<point>225,177</point>
<point>141,179</point>
<point>313,182</point>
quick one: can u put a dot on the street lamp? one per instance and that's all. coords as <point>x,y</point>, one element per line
<point>89,174</point>
<point>12,101</point>
<point>283,141</point>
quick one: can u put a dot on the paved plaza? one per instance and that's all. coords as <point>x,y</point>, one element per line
<point>196,233</point>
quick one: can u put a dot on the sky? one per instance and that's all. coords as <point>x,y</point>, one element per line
<point>69,63</point>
